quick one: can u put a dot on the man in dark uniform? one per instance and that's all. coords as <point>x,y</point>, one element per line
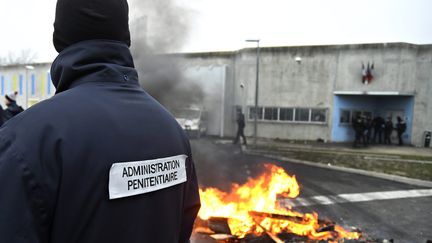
<point>101,161</point>
<point>1,115</point>
<point>12,108</point>
<point>388,129</point>
<point>240,128</point>
<point>378,124</point>
<point>400,128</point>
<point>367,125</point>
<point>358,126</point>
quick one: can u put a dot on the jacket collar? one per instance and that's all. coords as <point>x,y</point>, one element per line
<point>93,61</point>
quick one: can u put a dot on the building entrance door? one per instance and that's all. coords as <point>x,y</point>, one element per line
<point>349,106</point>
<point>393,114</point>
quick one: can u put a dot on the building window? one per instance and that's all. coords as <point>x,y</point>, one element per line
<point>258,113</point>
<point>271,113</point>
<point>367,114</point>
<point>318,115</point>
<point>286,114</point>
<point>349,116</point>
<point>302,114</point>
<point>345,117</point>
<point>355,114</point>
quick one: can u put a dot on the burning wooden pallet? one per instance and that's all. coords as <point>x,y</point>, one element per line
<point>250,213</point>
<point>216,229</point>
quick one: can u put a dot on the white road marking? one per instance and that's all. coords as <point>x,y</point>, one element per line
<point>356,197</point>
<point>223,141</point>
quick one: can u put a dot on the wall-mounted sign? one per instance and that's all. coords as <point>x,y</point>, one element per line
<point>367,76</point>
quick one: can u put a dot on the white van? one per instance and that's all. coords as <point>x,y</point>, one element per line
<point>192,120</point>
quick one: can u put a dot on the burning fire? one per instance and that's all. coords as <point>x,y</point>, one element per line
<point>253,208</point>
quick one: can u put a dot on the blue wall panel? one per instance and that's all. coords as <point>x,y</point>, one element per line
<point>378,105</point>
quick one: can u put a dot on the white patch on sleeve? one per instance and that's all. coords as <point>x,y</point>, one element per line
<point>139,177</point>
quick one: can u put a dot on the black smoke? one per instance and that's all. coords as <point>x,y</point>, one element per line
<point>159,29</point>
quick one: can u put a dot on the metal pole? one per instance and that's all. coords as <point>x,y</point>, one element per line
<point>256,93</point>
<point>27,68</point>
<point>26,105</point>
<point>256,89</point>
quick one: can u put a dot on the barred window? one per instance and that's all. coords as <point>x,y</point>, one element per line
<point>302,114</point>
<point>318,115</point>
<point>271,113</point>
<point>345,116</point>
<point>258,112</point>
<point>355,114</point>
<point>349,116</point>
<point>286,114</point>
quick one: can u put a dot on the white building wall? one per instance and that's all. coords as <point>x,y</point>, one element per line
<point>32,82</point>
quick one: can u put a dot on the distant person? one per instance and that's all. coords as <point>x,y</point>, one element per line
<point>13,108</point>
<point>378,125</point>
<point>1,115</point>
<point>359,130</point>
<point>240,128</point>
<point>367,124</point>
<point>388,129</point>
<point>400,128</point>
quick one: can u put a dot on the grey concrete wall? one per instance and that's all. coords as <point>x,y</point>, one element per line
<point>399,67</point>
<point>283,82</point>
<point>394,69</point>
<point>212,81</point>
<point>210,61</point>
<point>422,120</point>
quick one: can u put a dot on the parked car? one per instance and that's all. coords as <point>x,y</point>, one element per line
<point>192,120</point>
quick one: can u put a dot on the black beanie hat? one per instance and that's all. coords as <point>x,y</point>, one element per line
<point>79,20</point>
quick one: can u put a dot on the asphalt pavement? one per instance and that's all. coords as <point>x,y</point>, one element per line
<point>380,208</point>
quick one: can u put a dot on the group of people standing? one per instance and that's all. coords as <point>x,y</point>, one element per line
<point>12,108</point>
<point>382,130</point>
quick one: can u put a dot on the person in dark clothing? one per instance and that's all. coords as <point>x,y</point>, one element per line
<point>12,108</point>
<point>240,128</point>
<point>101,161</point>
<point>388,129</point>
<point>1,115</point>
<point>400,128</point>
<point>359,129</point>
<point>379,125</point>
<point>367,124</point>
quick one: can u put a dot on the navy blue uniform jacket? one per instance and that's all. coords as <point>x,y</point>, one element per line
<point>55,157</point>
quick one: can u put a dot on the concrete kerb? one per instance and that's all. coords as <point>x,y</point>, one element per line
<point>346,148</point>
<point>401,179</point>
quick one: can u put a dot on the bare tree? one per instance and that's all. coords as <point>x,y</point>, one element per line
<point>24,56</point>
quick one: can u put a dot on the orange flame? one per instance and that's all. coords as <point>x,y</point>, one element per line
<point>260,195</point>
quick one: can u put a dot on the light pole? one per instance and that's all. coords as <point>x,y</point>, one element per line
<point>256,87</point>
<point>27,68</point>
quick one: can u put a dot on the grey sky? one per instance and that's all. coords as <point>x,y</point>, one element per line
<point>225,24</point>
